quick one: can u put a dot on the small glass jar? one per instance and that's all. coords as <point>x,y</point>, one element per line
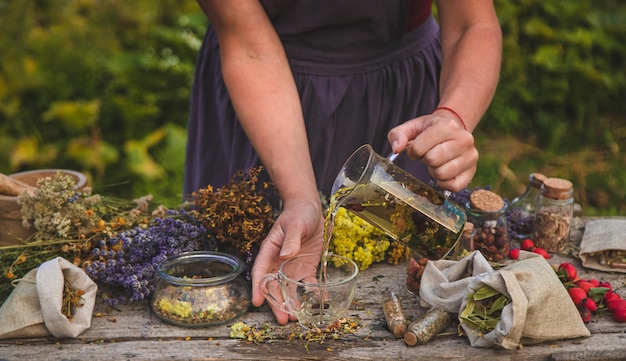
<point>522,208</point>
<point>198,289</point>
<point>487,211</point>
<point>553,215</point>
<point>466,242</point>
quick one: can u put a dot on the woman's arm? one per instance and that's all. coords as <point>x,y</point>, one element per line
<point>263,92</point>
<point>266,100</point>
<point>471,42</point>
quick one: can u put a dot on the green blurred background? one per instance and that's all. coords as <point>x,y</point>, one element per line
<point>103,87</point>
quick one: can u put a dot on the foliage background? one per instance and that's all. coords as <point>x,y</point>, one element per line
<point>103,87</point>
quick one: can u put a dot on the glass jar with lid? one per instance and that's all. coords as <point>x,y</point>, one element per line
<point>487,211</point>
<point>198,289</point>
<point>522,209</point>
<point>553,214</point>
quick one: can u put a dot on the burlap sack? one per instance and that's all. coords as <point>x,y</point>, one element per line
<point>33,309</point>
<point>444,283</point>
<point>540,309</point>
<point>604,242</point>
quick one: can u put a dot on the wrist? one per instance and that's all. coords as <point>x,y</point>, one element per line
<point>456,115</point>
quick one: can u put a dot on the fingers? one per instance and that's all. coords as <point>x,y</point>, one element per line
<point>445,147</point>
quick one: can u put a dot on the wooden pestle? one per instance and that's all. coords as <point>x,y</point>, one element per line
<point>13,187</point>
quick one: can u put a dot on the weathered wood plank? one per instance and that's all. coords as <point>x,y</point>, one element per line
<point>133,332</point>
<point>605,347</point>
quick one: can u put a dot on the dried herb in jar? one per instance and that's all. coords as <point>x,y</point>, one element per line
<point>554,213</point>
<point>427,326</point>
<point>394,314</point>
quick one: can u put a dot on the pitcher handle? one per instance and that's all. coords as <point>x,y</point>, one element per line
<point>391,157</point>
<point>264,286</point>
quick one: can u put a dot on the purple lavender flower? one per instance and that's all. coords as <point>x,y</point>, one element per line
<point>126,264</point>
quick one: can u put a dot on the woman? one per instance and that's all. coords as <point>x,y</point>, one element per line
<point>299,85</point>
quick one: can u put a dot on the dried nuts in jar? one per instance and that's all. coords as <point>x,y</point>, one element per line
<point>487,211</point>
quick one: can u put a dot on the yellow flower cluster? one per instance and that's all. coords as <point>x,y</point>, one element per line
<point>178,308</point>
<point>358,240</point>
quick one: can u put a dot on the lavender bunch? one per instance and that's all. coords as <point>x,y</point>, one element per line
<point>126,264</point>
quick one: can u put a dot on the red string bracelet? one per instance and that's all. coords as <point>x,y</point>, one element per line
<point>453,112</point>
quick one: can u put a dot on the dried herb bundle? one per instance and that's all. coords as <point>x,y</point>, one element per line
<point>238,215</point>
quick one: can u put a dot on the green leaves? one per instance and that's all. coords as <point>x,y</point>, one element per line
<point>483,309</point>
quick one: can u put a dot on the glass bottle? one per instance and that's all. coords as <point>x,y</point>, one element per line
<point>553,215</point>
<point>394,314</point>
<point>466,242</point>
<point>522,208</point>
<point>487,211</point>
<point>426,326</point>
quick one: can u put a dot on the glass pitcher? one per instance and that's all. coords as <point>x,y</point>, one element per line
<point>405,208</point>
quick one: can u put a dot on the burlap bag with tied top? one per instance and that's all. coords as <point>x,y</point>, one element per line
<point>540,309</point>
<point>33,309</point>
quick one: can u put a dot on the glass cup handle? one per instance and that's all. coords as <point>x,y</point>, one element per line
<point>264,286</point>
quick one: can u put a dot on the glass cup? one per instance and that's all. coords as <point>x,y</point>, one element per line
<point>299,289</point>
<point>391,199</point>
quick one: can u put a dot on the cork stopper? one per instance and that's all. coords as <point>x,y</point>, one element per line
<point>399,330</point>
<point>537,179</point>
<point>410,339</point>
<point>557,188</point>
<point>484,200</point>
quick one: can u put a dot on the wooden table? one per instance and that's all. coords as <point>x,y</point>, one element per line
<point>132,332</point>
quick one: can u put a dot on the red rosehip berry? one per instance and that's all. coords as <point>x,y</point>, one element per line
<point>619,315</point>
<point>594,282</point>
<point>514,253</point>
<point>527,245</point>
<point>577,294</point>
<point>542,252</point>
<point>610,296</point>
<point>572,273</point>
<point>616,305</point>
<point>591,305</point>
<point>585,285</point>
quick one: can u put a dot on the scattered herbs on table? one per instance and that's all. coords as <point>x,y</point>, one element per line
<point>265,333</point>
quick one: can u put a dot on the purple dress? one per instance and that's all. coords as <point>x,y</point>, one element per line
<point>359,73</point>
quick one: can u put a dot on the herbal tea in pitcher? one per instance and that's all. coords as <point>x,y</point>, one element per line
<point>402,206</point>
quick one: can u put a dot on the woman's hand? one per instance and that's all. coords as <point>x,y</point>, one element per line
<point>442,143</point>
<point>297,230</point>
